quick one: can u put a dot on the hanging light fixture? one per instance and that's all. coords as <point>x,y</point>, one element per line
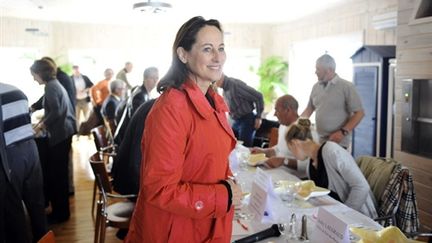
<point>152,7</point>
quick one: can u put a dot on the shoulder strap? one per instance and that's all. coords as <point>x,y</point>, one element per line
<point>126,112</point>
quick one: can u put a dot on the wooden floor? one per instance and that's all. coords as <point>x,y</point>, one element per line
<point>80,227</point>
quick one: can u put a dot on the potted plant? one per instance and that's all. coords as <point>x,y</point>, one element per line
<point>272,72</point>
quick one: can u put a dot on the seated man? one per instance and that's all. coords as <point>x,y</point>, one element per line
<point>126,165</point>
<point>109,106</point>
<point>139,96</point>
<point>142,93</point>
<point>286,112</point>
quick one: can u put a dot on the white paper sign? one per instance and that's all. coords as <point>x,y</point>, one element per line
<point>260,195</point>
<point>330,229</point>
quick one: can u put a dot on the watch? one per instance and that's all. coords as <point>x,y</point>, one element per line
<point>344,131</point>
<point>286,161</point>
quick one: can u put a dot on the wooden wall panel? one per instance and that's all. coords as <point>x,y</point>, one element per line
<point>423,192</point>
<point>415,55</point>
<point>414,30</point>
<point>414,60</point>
<point>414,161</point>
<point>421,41</point>
<point>419,70</point>
<point>57,38</point>
<point>404,16</point>
<point>424,204</point>
<point>406,4</point>
<point>424,177</point>
<point>349,17</point>
<point>425,220</point>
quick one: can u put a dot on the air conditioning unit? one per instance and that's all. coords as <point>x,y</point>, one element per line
<point>385,21</point>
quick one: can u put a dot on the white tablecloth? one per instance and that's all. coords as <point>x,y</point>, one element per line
<point>308,208</point>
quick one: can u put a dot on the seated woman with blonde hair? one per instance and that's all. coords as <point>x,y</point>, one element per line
<point>332,167</point>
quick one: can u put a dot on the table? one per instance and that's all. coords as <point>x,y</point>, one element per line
<point>308,208</point>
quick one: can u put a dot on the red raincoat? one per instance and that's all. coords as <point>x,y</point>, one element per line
<point>185,148</point>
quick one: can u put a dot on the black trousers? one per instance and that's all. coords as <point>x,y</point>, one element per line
<point>25,189</point>
<point>244,129</point>
<point>3,183</point>
<point>57,179</point>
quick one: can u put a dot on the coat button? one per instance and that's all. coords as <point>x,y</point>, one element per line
<point>199,205</point>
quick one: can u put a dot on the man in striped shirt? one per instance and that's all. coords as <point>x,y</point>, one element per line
<point>246,106</point>
<point>20,161</point>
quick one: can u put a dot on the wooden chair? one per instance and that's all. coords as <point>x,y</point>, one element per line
<point>393,188</point>
<point>273,138</point>
<point>103,139</point>
<point>106,149</point>
<point>109,215</point>
<point>48,238</point>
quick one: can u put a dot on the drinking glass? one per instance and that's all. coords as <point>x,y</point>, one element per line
<point>243,158</point>
<point>244,213</point>
<point>289,193</point>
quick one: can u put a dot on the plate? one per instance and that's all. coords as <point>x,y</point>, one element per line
<point>315,192</point>
<point>256,159</point>
<point>307,189</point>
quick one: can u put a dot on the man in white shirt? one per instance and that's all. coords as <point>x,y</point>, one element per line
<point>82,86</point>
<point>286,112</point>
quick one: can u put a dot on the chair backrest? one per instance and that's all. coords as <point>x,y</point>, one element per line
<point>393,187</point>
<point>377,172</point>
<point>99,169</point>
<point>100,137</point>
<point>103,198</point>
<point>48,238</point>
<point>110,127</point>
<point>273,138</point>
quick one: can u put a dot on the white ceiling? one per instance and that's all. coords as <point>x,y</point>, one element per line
<point>121,12</point>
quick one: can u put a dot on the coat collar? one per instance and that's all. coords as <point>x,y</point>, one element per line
<point>200,102</point>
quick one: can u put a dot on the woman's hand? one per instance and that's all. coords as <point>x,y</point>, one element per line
<point>274,162</point>
<point>39,128</point>
<point>237,194</point>
<point>256,150</point>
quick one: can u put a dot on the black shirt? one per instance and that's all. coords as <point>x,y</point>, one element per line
<point>319,175</point>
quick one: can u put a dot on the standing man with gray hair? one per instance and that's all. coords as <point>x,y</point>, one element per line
<point>122,74</point>
<point>336,102</point>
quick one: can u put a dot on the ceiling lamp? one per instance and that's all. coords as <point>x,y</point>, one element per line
<point>152,7</point>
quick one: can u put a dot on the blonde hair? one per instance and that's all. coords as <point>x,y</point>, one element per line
<point>301,130</point>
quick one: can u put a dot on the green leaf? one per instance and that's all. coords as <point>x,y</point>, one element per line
<point>272,72</point>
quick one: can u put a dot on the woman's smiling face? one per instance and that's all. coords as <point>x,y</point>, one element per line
<point>207,56</point>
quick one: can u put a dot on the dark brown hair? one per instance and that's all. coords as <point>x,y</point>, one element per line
<point>186,37</point>
<point>45,69</point>
<point>50,60</point>
<point>300,130</point>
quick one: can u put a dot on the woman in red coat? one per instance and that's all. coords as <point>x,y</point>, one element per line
<point>186,194</point>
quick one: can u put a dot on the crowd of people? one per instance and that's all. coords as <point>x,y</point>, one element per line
<point>173,150</point>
